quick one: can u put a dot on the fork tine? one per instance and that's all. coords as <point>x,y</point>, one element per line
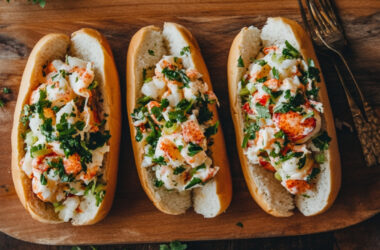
<point>328,14</point>
<point>305,20</point>
<point>320,16</point>
<point>315,19</point>
<point>327,5</point>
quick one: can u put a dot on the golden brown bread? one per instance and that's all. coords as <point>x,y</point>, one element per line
<point>223,177</point>
<point>48,48</point>
<point>332,175</point>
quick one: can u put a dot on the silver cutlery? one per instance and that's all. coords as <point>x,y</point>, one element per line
<point>324,28</point>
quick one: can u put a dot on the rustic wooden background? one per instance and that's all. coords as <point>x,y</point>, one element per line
<point>214,23</point>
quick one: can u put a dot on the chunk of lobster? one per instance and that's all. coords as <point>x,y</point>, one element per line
<point>192,132</point>
<point>298,128</point>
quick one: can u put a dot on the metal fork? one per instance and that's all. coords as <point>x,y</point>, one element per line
<point>327,34</point>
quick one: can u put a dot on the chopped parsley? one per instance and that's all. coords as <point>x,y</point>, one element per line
<point>139,135</point>
<point>179,170</point>
<point>174,245</point>
<point>262,111</point>
<point>151,52</point>
<point>193,182</point>
<point>239,224</point>
<point>260,62</point>
<point>313,174</point>
<point>301,162</point>
<point>240,62</point>
<point>294,103</point>
<point>185,51</point>
<point>59,170</point>
<point>158,183</point>
<point>261,80</point>
<point>250,133</point>
<point>205,114</point>
<point>43,179</point>
<point>177,75</point>
<point>322,141</point>
<point>320,158</point>
<point>160,160</point>
<point>194,149</point>
<point>212,130</point>
<point>93,85</point>
<point>275,73</point>
<point>144,100</point>
<point>6,90</point>
<point>289,52</point>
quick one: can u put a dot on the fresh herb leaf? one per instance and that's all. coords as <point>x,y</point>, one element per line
<point>144,100</point>
<point>176,75</point>
<point>244,91</point>
<point>287,94</point>
<point>93,85</point>
<point>322,141</point>
<point>151,52</point>
<point>260,62</point>
<point>139,135</point>
<point>164,103</point>
<point>194,149</point>
<point>55,109</point>
<point>261,80</point>
<point>313,93</point>
<point>179,170</point>
<point>193,182</point>
<point>174,245</point>
<point>275,73</point>
<point>59,168</point>
<point>212,130</point>
<point>158,183</point>
<point>6,90</point>
<point>239,224</point>
<point>185,51</point>
<point>280,135</point>
<point>290,52</point>
<point>80,125</point>
<point>301,162</point>
<point>43,179</point>
<point>293,104</point>
<point>240,62</point>
<point>250,133</point>
<point>262,111</point>
<point>320,158</point>
<point>160,160</point>
<point>313,174</point>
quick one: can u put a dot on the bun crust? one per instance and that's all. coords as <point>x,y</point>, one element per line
<point>48,48</point>
<point>222,181</point>
<point>266,191</point>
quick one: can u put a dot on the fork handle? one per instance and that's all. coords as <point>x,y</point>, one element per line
<point>358,89</point>
<point>368,132</point>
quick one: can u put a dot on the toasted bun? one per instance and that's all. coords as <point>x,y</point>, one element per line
<point>89,45</point>
<point>213,198</point>
<point>264,188</point>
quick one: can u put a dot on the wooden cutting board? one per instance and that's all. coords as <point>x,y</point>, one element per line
<point>214,23</point>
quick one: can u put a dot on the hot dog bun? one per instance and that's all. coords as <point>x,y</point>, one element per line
<point>264,188</point>
<point>89,45</point>
<point>214,197</point>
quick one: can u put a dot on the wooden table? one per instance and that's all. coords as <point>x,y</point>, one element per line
<point>22,24</point>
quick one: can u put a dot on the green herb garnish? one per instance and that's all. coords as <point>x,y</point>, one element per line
<point>240,62</point>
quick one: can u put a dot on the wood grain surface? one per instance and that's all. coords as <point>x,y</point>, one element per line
<point>214,23</point>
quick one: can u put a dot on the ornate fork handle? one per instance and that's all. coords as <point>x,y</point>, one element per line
<point>374,130</point>
<point>368,131</point>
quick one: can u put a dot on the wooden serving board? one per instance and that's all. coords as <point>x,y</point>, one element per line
<point>133,218</point>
